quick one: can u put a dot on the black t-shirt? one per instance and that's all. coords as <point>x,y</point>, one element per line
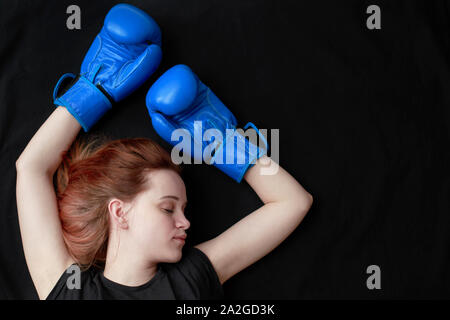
<point>193,277</point>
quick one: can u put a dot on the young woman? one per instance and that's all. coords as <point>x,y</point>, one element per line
<point>118,208</point>
<point>126,207</point>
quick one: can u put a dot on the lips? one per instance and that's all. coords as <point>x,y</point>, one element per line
<point>179,241</point>
<point>181,238</point>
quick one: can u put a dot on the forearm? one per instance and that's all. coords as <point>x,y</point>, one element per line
<point>273,184</point>
<point>254,236</point>
<point>43,152</point>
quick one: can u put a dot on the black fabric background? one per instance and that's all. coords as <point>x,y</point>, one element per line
<point>363,118</point>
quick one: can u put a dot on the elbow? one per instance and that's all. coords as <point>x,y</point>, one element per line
<point>310,200</point>
<point>19,164</point>
<point>23,164</point>
<point>305,203</point>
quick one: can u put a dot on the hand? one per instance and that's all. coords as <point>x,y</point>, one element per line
<point>122,57</point>
<point>178,99</point>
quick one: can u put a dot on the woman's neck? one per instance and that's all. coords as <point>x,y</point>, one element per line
<point>129,269</point>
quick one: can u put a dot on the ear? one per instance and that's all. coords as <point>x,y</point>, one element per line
<point>118,211</point>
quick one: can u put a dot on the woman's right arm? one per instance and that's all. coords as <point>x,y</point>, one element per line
<point>45,252</point>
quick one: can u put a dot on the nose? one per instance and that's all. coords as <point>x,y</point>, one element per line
<point>182,222</point>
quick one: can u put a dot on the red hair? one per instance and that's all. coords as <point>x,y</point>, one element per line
<point>91,173</point>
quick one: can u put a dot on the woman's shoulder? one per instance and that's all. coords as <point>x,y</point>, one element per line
<point>73,279</point>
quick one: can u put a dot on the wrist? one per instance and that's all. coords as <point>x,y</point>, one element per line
<point>237,155</point>
<point>83,100</point>
<point>256,168</point>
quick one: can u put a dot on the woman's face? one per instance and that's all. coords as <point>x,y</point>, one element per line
<point>158,217</point>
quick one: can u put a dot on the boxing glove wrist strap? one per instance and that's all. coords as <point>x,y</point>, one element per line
<point>244,154</point>
<point>85,101</point>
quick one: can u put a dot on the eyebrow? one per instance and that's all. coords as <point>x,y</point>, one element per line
<point>172,197</point>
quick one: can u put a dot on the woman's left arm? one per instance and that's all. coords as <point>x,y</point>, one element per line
<point>286,203</point>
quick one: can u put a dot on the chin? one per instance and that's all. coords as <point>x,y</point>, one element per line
<point>174,256</point>
<point>178,256</point>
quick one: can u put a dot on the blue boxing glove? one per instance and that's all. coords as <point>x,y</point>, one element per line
<point>179,100</point>
<point>122,57</point>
